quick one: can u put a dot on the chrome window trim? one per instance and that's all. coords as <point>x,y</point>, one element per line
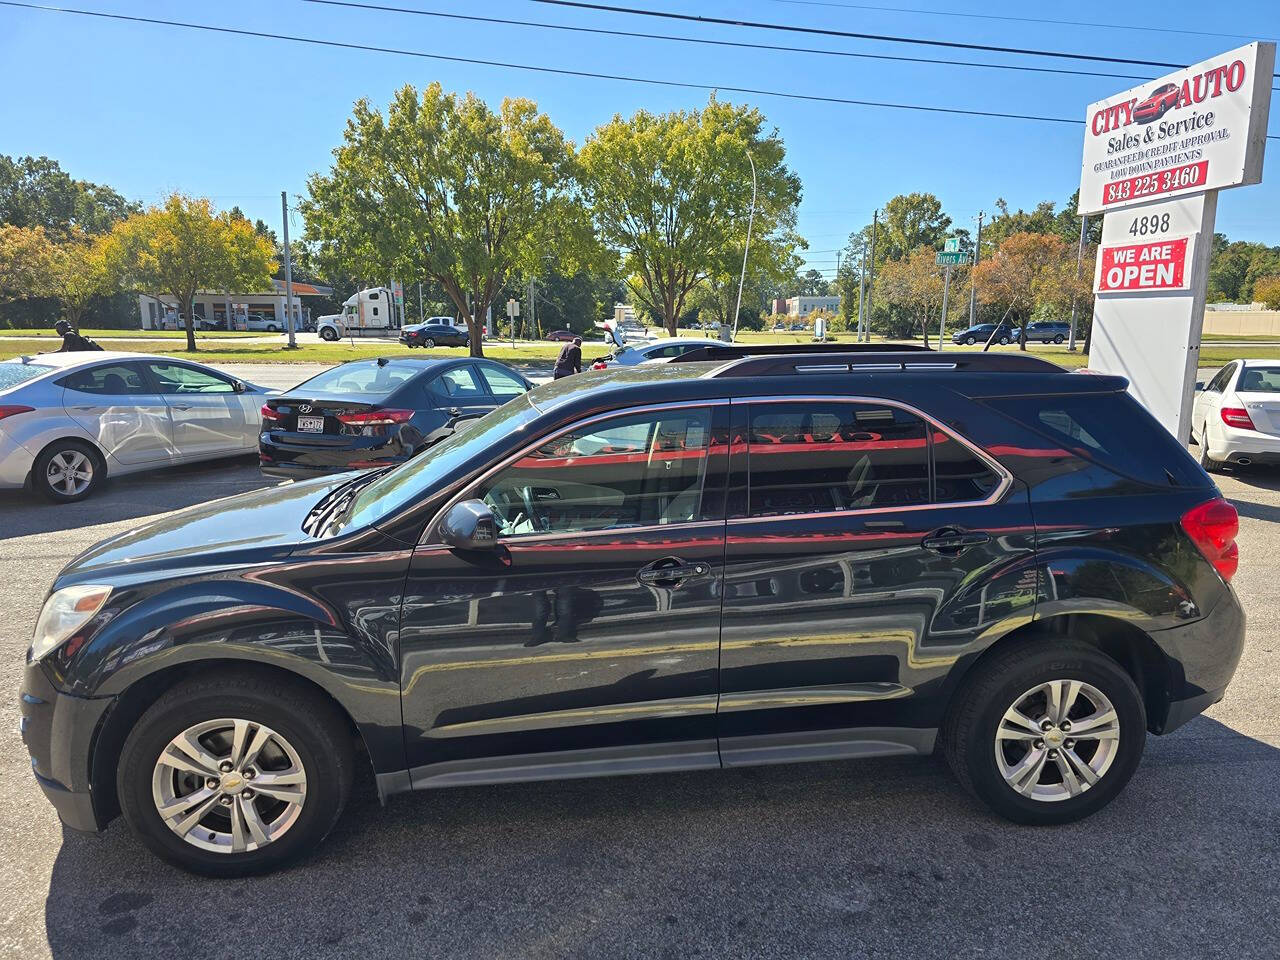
<point>1006,478</point>
<point>430,528</point>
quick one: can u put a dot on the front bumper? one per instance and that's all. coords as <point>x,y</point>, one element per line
<point>59,731</point>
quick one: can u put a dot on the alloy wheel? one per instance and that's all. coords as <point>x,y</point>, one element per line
<point>70,472</point>
<point>229,785</point>
<point>1057,740</point>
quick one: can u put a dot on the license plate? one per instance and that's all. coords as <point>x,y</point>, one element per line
<point>311,424</point>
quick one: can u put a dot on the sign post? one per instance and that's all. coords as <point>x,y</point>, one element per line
<point>513,311</point>
<point>950,256</point>
<point>1155,157</point>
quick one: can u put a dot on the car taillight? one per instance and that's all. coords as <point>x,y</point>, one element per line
<point>1237,417</point>
<point>11,409</point>
<point>1212,527</point>
<point>374,418</point>
<point>270,414</point>
<point>599,365</point>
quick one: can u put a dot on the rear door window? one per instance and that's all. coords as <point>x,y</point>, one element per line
<point>109,379</point>
<point>502,383</point>
<point>457,384</point>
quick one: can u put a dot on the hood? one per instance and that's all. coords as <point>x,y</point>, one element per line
<point>254,527</point>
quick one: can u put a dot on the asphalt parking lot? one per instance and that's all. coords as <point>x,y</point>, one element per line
<point>881,858</point>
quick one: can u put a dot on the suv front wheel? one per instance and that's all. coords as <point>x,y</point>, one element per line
<point>1047,734</point>
<point>235,774</point>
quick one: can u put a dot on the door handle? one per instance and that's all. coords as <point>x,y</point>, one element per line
<point>950,540</point>
<point>180,406</point>
<point>670,571</point>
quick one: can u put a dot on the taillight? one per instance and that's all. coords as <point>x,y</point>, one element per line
<point>269,413</point>
<point>599,365</point>
<point>1237,417</point>
<point>375,418</point>
<point>11,409</point>
<point>1212,527</point>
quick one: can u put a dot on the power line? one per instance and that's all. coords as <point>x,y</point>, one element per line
<point>828,32</point>
<point>1006,17</point>
<point>385,8</point>
<point>561,71</point>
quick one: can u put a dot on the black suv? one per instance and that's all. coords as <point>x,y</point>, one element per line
<point>1048,331</point>
<point>727,560</point>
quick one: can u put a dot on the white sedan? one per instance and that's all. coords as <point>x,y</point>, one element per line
<point>67,420</point>
<point>1236,417</point>
<point>650,351</point>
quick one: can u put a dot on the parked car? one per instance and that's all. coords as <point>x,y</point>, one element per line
<point>799,326</point>
<point>69,420</point>
<point>630,354</point>
<point>1235,419</point>
<point>981,333</point>
<point>1048,332</point>
<point>562,336</point>
<point>435,333</point>
<point>593,580</point>
<point>261,323</point>
<point>1161,100</point>
<point>372,413</point>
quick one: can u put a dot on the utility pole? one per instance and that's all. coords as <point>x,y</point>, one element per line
<point>871,279</point>
<point>288,274</point>
<point>1071,343</point>
<point>973,287</point>
<point>862,288</point>
<point>531,316</point>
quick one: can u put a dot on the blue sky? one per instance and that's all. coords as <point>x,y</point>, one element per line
<point>148,109</point>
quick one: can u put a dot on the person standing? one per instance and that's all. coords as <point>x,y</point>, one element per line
<point>570,359</point>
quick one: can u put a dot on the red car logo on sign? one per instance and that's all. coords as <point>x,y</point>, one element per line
<point>1163,99</point>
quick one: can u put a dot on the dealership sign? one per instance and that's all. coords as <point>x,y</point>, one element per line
<point>1202,128</point>
<point>1135,267</point>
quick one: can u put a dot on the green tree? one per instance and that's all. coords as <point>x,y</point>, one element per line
<point>1267,291</point>
<point>24,262</point>
<point>76,273</point>
<point>673,192</point>
<point>772,262</point>
<point>36,192</point>
<point>181,248</point>
<point>907,222</point>
<point>442,187</point>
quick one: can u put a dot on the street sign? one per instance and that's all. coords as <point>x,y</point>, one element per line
<point>951,245</point>
<point>951,259</point>
<point>1199,129</point>
<point>513,308</point>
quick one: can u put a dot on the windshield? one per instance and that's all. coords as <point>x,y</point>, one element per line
<point>437,466</point>
<point>14,372</point>
<point>1259,380</point>
<point>361,377</point>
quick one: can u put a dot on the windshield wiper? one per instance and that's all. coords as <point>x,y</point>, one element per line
<point>336,499</point>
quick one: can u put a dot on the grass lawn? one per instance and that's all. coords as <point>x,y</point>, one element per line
<point>536,353</point>
<point>1248,337</point>
<point>138,334</point>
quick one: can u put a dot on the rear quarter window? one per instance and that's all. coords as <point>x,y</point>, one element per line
<point>16,372</point>
<point>1111,429</point>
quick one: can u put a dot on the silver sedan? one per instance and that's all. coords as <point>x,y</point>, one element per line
<point>67,420</point>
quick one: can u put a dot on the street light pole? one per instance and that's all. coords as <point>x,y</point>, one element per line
<point>973,287</point>
<point>1071,343</point>
<point>875,220</point>
<point>288,274</point>
<point>746,248</point>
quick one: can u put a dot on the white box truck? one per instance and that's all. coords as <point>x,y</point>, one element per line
<point>369,313</point>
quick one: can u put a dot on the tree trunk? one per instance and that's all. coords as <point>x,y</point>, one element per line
<point>475,326</point>
<point>190,309</point>
<point>1022,334</point>
<point>924,329</point>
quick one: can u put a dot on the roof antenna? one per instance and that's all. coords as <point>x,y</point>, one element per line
<point>383,361</point>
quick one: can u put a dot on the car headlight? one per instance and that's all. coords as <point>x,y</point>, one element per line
<point>65,612</point>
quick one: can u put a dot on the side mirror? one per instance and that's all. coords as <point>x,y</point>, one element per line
<point>469,525</point>
<point>240,386</point>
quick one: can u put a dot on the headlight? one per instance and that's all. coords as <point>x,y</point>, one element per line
<point>65,612</point>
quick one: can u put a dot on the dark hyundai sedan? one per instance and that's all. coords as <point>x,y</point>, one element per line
<point>375,413</point>
<point>431,334</point>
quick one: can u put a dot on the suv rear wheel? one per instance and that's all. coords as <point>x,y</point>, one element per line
<point>235,775</point>
<point>1047,733</point>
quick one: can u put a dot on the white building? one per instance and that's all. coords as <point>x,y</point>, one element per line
<point>211,309</point>
<point>803,306</point>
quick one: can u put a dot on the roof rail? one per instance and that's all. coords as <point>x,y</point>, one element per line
<point>884,361</point>
<point>733,351</point>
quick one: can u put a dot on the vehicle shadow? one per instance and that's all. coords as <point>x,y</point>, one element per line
<point>875,858</point>
<point>132,497</point>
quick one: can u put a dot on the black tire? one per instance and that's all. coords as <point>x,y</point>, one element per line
<point>63,450</point>
<point>329,334</point>
<point>997,685</point>
<point>272,328</point>
<point>970,341</point>
<point>312,726</point>
<point>428,343</point>
<point>1004,341</point>
<point>1059,338</point>
<point>1207,462</point>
